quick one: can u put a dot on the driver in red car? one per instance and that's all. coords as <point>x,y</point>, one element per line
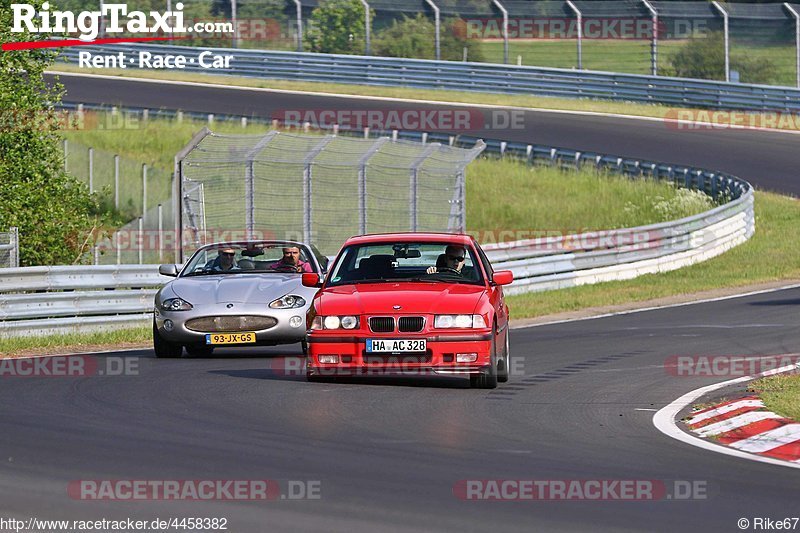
<point>453,260</point>
<point>291,261</point>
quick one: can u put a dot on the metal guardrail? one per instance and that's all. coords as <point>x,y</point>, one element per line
<point>474,77</point>
<point>122,296</point>
<point>70,299</point>
<point>85,294</point>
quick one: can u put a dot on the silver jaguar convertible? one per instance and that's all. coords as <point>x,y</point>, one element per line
<point>236,293</point>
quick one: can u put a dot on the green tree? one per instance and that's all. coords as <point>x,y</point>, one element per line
<point>337,27</point>
<point>54,212</point>
<point>414,37</point>
<point>704,58</point>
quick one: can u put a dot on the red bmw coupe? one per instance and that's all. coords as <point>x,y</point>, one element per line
<point>410,303</point>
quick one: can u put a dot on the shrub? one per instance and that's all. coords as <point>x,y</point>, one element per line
<point>54,212</point>
<point>704,58</point>
<point>337,27</point>
<point>414,37</point>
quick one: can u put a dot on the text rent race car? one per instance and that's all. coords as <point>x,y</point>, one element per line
<point>235,293</point>
<point>410,303</point>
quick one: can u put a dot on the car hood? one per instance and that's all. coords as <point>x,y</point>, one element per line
<point>414,298</point>
<point>238,288</point>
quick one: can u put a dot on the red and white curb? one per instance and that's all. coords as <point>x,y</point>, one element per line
<point>743,428</point>
<point>746,425</point>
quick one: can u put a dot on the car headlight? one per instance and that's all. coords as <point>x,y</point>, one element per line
<point>335,322</point>
<point>459,321</point>
<point>349,322</point>
<point>175,304</point>
<point>290,301</point>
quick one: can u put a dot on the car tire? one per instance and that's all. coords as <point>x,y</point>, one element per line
<point>487,379</point>
<point>162,347</point>
<point>199,350</point>
<point>504,364</point>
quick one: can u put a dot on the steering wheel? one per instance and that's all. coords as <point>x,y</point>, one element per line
<point>448,270</point>
<point>283,267</point>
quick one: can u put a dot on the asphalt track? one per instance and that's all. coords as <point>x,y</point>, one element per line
<point>388,453</point>
<point>766,159</point>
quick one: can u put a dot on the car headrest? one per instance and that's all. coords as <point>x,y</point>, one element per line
<point>441,261</point>
<point>246,264</point>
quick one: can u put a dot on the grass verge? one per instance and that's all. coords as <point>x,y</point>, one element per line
<point>457,97</point>
<point>781,394</point>
<point>75,342</point>
<point>768,256</point>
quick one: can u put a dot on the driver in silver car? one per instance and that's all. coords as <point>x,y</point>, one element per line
<point>225,261</point>
<point>451,261</point>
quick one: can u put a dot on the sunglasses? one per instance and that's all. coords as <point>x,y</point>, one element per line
<point>458,258</point>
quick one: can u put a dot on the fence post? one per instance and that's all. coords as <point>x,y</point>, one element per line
<point>367,29</point>
<point>234,41</point>
<point>504,11</point>
<point>299,25</point>
<point>14,252</point>
<point>414,184</point>
<point>727,40</point>
<point>160,233</point>
<point>654,42</point>
<point>116,182</point>
<point>91,170</point>
<point>308,219</point>
<point>362,183</point>
<point>580,32</point>
<point>438,25</point>
<point>144,190</point>
<point>796,16</point>
<point>140,240</point>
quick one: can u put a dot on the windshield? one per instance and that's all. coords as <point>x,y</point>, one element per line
<point>256,257</point>
<point>407,261</point>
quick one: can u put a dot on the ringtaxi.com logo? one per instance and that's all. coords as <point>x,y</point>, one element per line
<point>69,366</point>
<point>194,489</point>
<point>579,489</point>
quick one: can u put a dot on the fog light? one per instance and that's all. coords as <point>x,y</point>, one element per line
<point>168,325</point>
<point>328,359</point>
<point>466,357</point>
<point>295,321</point>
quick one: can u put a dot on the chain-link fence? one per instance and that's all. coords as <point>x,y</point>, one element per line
<point>139,192</point>
<point>319,189</point>
<point>9,248</point>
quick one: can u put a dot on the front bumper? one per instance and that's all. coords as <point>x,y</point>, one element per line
<point>281,333</point>
<point>440,356</point>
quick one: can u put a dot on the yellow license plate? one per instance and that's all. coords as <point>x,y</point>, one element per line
<point>247,337</point>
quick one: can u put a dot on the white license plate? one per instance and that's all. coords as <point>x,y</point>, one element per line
<point>396,345</point>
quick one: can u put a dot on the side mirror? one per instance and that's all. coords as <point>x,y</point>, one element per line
<point>503,277</point>
<point>311,279</point>
<point>170,270</point>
